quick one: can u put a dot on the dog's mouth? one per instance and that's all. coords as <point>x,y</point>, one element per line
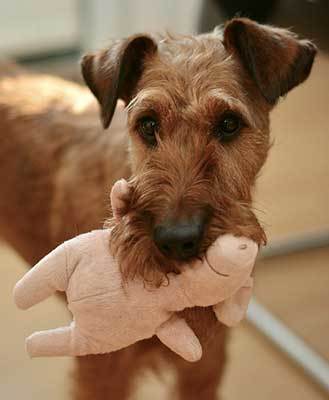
<point>139,256</point>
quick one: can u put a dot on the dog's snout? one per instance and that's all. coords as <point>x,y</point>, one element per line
<point>180,239</point>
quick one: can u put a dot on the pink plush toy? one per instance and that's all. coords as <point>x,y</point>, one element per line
<point>109,314</point>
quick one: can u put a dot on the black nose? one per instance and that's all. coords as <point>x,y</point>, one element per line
<point>180,239</point>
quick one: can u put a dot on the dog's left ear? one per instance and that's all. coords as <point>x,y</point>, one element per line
<point>113,73</point>
<point>274,58</point>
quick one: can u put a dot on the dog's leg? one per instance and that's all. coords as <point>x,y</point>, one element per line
<point>105,377</point>
<point>200,380</point>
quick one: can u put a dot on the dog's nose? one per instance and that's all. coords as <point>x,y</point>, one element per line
<point>180,239</point>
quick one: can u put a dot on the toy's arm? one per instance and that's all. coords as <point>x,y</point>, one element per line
<point>179,337</point>
<point>45,278</point>
<point>232,310</point>
<point>120,199</point>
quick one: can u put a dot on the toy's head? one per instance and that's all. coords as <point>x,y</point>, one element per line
<point>226,268</point>
<point>198,122</point>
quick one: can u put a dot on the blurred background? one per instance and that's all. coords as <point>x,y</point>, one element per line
<point>292,199</point>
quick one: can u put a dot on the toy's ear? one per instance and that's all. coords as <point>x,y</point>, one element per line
<point>274,58</point>
<point>113,73</point>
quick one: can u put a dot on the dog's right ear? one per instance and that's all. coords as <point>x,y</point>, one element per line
<point>274,58</point>
<point>113,73</point>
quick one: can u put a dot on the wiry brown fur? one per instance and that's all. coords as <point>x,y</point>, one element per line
<point>181,180</point>
<point>191,171</point>
<point>56,166</point>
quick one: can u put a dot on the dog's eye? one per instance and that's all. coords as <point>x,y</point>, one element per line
<point>147,128</point>
<point>228,127</point>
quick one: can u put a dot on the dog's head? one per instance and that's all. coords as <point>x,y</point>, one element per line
<point>198,119</point>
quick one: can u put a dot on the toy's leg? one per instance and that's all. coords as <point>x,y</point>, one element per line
<point>45,278</point>
<point>179,337</point>
<point>51,343</point>
<point>232,310</point>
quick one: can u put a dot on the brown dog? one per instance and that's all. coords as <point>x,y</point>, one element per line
<point>197,136</point>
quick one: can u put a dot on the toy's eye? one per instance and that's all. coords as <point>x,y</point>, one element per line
<point>147,128</point>
<point>228,127</point>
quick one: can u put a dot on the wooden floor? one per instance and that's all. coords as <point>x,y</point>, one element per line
<point>292,198</point>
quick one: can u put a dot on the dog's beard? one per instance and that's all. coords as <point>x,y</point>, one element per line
<point>132,245</point>
<point>235,217</point>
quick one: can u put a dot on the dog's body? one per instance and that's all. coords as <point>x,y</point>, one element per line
<point>197,134</point>
<point>57,166</point>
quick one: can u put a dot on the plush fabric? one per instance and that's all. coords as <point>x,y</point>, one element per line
<point>109,314</point>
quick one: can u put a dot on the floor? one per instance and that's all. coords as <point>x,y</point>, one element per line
<point>292,198</point>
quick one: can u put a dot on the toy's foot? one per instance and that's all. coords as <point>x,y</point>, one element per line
<point>120,198</point>
<point>64,341</point>
<point>51,343</point>
<point>180,338</point>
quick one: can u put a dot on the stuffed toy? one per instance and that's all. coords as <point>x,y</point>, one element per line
<point>110,313</point>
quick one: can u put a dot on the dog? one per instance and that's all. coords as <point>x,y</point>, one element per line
<point>193,139</point>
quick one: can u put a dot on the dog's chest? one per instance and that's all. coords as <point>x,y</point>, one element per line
<point>203,322</point>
